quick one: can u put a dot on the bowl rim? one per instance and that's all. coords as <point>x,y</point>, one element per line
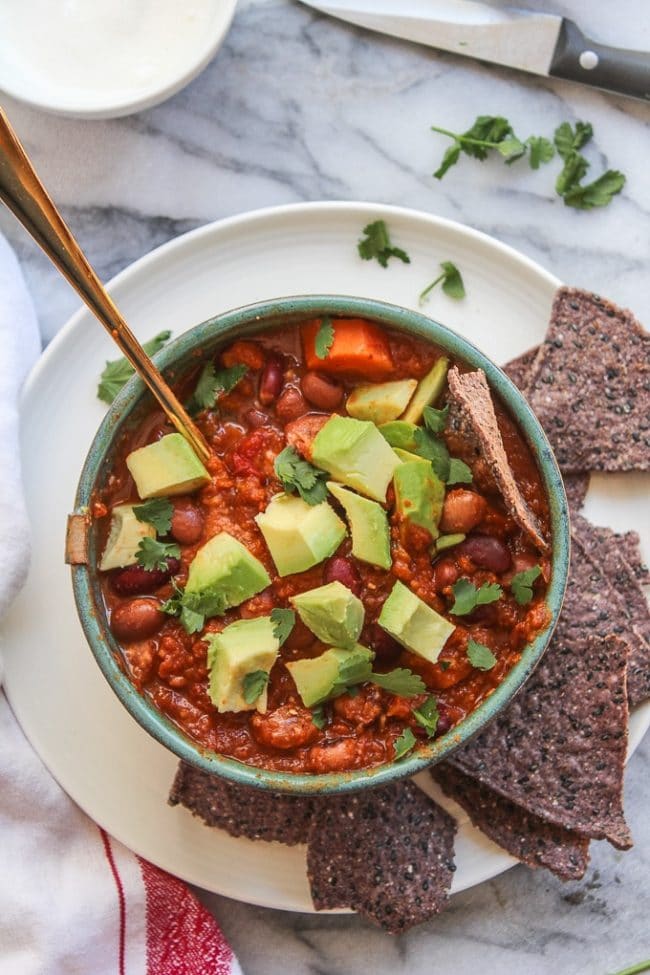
<point>140,99</point>
<point>262,316</point>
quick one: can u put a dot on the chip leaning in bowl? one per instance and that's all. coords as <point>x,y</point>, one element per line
<point>357,567</point>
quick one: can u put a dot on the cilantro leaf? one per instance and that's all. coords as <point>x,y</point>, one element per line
<point>521,585</point>
<point>432,449</point>
<point>400,681</point>
<point>435,420</point>
<point>283,623</point>
<point>318,716</point>
<point>452,283</point>
<point>511,148</point>
<point>209,602</point>
<point>377,244</point>
<point>568,140</point>
<point>157,512</point>
<point>574,169</point>
<point>404,744</point>
<point>118,371</point>
<point>450,158</point>
<point>596,194</point>
<point>253,685</point>
<point>427,715</point>
<point>152,554</point>
<point>480,656</point>
<point>324,338</point>
<point>459,472</point>
<point>191,621</point>
<point>468,597</point>
<point>212,383</point>
<point>297,474</point>
<point>541,150</point>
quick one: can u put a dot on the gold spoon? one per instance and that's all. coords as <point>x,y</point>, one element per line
<point>25,195</point>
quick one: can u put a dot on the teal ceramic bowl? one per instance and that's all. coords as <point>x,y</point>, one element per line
<point>180,357</point>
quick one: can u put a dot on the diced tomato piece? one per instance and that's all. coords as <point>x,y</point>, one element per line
<point>359,348</point>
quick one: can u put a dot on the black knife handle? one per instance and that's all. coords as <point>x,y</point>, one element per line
<point>577,58</point>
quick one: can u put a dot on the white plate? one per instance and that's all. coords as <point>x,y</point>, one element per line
<point>111,768</point>
<point>50,51</point>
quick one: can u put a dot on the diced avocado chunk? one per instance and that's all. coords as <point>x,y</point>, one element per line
<point>168,466</point>
<point>369,526</point>
<point>332,612</point>
<point>398,433</point>
<point>419,494</point>
<point>380,402</point>
<point>448,541</point>
<point>223,573</point>
<point>124,536</point>
<point>299,535</point>
<point>330,674</point>
<point>428,391</point>
<point>355,453</point>
<point>245,649</point>
<point>414,624</point>
<point>406,456</point>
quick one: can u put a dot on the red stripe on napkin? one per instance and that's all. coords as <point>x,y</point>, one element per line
<point>120,898</point>
<point>182,937</point>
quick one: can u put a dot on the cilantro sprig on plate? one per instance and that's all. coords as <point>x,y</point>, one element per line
<point>376,243</point>
<point>117,372</point>
<point>451,280</point>
<point>297,475</point>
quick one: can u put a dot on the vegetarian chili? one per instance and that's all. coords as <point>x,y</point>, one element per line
<point>336,446</point>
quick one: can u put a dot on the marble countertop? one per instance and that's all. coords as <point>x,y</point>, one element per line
<point>295,107</point>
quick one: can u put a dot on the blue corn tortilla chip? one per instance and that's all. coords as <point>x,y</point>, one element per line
<point>558,751</point>
<point>386,853</point>
<point>605,552</point>
<point>519,371</point>
<point>590,385</point>
<point>522,834</point>
<point>239,810</point>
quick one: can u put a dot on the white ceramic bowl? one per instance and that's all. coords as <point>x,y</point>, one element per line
<point>49,55</point>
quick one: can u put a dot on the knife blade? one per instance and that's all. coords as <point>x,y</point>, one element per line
<point>538,43</point>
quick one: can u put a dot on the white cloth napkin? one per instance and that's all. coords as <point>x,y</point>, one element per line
<point>73,901</point>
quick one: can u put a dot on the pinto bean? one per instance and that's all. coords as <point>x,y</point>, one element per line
<point>486,552</point>
<point>361,709</point>
<point>270,381</point>
<point>445,574</point>
<point>289,726</point>
<point>187,523</point>
<point>333,758</point>
<point>257,419</point>
<point>291,404</point>
<point>462,511</point>
<point>137,619</point>
<point>322,392</point>
<point>339,569</point>
<point>134,580</point>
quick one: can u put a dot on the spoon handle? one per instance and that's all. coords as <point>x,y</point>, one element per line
<point>27,198</point>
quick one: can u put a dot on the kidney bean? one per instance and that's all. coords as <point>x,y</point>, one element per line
<point>462,511</point>
<point>445,574</point>
<point>339,569</point>
<point>486,552</point>
<point>187,523</point>
<point>134,580</point>
<point>323,393</point>
<point>270,381</point>
<point>137,619</point>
